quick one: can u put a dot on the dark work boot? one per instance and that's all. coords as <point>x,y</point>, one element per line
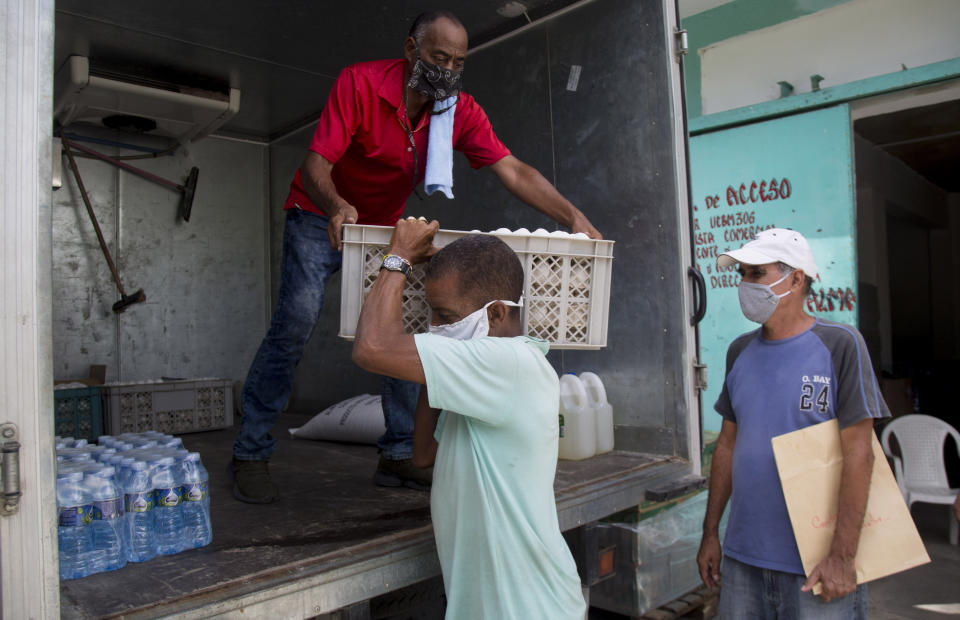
<point>402,473</point>
<point>251,482</point>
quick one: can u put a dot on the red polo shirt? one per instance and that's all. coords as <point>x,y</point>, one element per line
<point>361,132</point>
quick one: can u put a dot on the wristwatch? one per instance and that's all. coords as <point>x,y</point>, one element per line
<point>392,262</point>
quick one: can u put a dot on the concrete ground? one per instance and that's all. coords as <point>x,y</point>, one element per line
<point>928,592</point>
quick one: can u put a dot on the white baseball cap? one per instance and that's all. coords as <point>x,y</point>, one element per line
<point>771,246</point>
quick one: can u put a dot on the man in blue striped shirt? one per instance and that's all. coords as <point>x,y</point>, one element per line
<point>793,372</point>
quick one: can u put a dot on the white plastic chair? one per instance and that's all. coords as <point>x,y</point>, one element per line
<point>920,471</point>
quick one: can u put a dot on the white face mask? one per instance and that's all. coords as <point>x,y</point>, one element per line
<point>474,325</point>
<point>758,301</point>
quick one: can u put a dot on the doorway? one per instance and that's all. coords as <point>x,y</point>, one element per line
<point>907,157</point>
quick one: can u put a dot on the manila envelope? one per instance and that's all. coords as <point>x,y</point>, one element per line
<point>810,461</point>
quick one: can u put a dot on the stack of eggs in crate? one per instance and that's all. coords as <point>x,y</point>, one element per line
<point>126,499</point>
<point>566,288</point>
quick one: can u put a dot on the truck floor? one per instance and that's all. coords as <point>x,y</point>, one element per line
<point>330,523</point>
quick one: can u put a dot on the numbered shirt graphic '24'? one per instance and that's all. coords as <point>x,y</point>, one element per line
<point>815,392</point>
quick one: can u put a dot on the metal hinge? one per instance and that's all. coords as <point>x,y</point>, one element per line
<point>681,42</point>
<point>9,469</point>
<point>700,376</point>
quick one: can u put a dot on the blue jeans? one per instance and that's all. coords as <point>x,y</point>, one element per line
<point>308,263</point>
<point>751,593</point>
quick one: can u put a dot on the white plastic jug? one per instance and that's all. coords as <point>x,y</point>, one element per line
<point>578,436</point>
<point>602,410</point>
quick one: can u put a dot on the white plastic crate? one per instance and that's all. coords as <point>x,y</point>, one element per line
<point>169,406</point>
<point>566,284</point>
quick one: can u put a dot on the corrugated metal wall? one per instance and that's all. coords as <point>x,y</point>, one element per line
<point>205,280</point>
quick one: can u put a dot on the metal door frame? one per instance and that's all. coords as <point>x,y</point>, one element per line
<point>691,426</point>
<point>29,579</point>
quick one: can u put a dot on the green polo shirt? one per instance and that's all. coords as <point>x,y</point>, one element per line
<point>492,502</point>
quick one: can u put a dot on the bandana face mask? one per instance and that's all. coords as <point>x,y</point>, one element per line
<point>433,82</point>
<point>758,301</point>
<point>474,325</point>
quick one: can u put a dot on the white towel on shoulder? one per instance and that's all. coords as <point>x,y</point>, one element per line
<point>439,174</point>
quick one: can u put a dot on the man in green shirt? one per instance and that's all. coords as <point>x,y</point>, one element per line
<point>487,421</point>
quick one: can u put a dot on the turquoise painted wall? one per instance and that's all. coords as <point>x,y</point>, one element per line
<point>733,19</point>
<point>793,172</point>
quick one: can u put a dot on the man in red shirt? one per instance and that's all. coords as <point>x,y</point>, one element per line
<point>367,154</point>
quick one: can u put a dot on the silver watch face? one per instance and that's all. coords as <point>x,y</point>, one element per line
<point>393,263</point>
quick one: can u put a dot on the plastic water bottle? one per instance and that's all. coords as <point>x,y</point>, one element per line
<point>197,530</point>
<point>74,536</point>
<point>126,465</point>
<point>578,438</point>
<point>80,456</point>
<point>169,516</point>
<point>171,442</point>
<point>107,524</point>
<point>139,513</point>
<point>602,410</point>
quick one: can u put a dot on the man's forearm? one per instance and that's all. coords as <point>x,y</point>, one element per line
<point>535,190</point>
<point>853,495</point>
<point>318,183</point>
<point>836,573</point>
<point>527,184</point>
<point>381,345</point>
<point>380,317</point>
<point>424,426</point>
<point>721,486</point>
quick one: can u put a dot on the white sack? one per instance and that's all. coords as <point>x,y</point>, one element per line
<point>356,420</point>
